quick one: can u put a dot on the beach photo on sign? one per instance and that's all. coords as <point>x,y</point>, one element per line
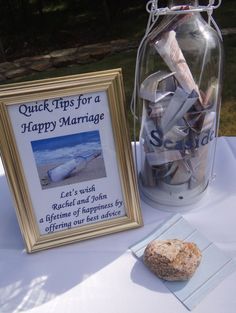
<point>69,159</point>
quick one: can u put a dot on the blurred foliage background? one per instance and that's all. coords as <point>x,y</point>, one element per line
<point>36,27</point>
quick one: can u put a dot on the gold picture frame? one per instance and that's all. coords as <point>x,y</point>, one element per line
<point>67,155</point>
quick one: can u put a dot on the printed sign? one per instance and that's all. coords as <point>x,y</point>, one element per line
<point>71,159</point>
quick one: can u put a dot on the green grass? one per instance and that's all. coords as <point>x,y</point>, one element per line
<point>131,25</point>
<point>226,14</point>
<point>228,119</point>
<point>126,61</point>
<point>228,110</point>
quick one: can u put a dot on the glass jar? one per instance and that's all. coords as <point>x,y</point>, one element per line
<point>179,81</point>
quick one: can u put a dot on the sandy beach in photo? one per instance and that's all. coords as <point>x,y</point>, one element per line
<point>94,169</point>
<point>69,159</point>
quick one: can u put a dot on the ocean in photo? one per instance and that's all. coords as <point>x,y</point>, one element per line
<point>62,149</point>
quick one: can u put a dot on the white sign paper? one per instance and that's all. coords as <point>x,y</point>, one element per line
<point>74,136</point>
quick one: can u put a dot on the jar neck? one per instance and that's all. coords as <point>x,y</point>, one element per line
<point>173,3</point>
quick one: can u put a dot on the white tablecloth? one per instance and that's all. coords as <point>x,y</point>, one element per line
<point>102,275</point>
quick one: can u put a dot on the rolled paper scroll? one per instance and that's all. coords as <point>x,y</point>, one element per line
<point>169,50</point>
<point>209,98</point>
<point>209,121</point>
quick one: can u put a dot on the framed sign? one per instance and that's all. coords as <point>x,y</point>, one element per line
<point>67,156</point>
